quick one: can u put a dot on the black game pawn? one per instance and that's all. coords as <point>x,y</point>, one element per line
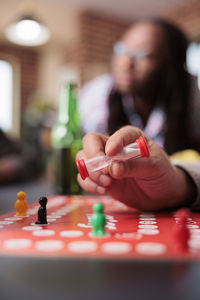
<point>42,211</point>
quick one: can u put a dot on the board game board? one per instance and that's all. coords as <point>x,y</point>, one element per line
<point>130,234</point>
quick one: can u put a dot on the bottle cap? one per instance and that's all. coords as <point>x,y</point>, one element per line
<point>82,168</point>
<point>144,151</point>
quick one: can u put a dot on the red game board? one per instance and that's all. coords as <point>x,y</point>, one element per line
<point>130,234</point>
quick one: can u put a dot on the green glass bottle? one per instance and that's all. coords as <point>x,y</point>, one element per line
<point>66,141</point>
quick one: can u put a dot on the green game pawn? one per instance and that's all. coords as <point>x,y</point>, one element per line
<point>98,220</point>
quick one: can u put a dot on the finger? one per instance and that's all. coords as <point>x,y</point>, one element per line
<point>94,144</point>
<point>144,167</point>
<point>97,177</point>
<point>117,192</point>
<point>90,186</point>
<point>121,138</point>
<point>80,155</point>
<point>128,169</point>
<point>100,178</point>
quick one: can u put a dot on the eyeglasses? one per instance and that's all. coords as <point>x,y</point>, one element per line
<point>121,49</point>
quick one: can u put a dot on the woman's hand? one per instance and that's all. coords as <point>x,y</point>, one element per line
<point>144,183</point>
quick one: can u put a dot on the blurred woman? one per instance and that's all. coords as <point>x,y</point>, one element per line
<point>149,88</point>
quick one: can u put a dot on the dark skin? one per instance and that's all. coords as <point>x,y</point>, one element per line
<point>10,168</point>
<point>140,76</point>
<point>146,183</point>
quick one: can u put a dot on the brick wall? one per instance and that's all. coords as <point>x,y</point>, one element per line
<point>28,63</point>
<point>93,51</point>
<point>99,32</point>
<point>188,18</point>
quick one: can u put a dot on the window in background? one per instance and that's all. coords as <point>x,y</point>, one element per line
<point>6,95</point>
<point>10,94</point>
<point>193,60</point>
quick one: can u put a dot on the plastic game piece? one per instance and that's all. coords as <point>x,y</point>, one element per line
<point>42,211</point>
<point>98,220</point>
<point>134,150</point>
<point>21,205</point>
<point>181,231</point>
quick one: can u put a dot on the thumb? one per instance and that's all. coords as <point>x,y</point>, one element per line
<point>124,136</point>
<point>132,168</point>
<point>146,168</point>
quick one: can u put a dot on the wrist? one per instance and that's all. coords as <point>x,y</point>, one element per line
<point>186,188</point>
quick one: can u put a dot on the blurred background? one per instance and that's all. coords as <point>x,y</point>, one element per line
<point>76,46</point>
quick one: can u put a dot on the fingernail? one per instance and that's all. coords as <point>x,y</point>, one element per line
<point>101,190</point>
<point>117,170</point>
<point>108,148</point>
<point>105,180</point>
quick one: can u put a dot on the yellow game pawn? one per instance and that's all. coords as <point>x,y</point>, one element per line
<point>21,205</point>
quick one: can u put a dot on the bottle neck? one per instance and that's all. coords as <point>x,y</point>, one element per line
<point>65,105</point>
<point>74,117</point>
<point>62,133</point>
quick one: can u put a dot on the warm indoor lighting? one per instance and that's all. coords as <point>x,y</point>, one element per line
<point>27,32</point>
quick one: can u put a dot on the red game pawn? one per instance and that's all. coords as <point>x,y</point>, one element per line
<point>181,232</point>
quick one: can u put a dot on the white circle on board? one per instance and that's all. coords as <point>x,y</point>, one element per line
<point>34,224</point>
<point>43,233</point>
<point>6,222</point>
<point>147,219</point>
<point>32,211</point>
<point>192,222</point>
<point>195,238</point>
<point>106,235</point>
<point>71,233</point>
<point>51,219</point>
<point>62,213</point>
<point>84,225</point>
<point>194,231</point>
<point>111,227</point>
<point>147,222</point>
<point>109,217</point>
<point>31,228</point>
<point>68,210</point>
<point>148,231</point>
<point>150,248</point>
<point>110,223</point>
<point>55,216</point>
<point>128,235</point>
<point>17,244</point>
<point>147,215</point>
<point>148,226</point>
<point>82,246</point>
<point>13,219</point>
<point>116,248</point>
<point>194,243</point>
<point>49,245</point>
<point>192,226</point>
